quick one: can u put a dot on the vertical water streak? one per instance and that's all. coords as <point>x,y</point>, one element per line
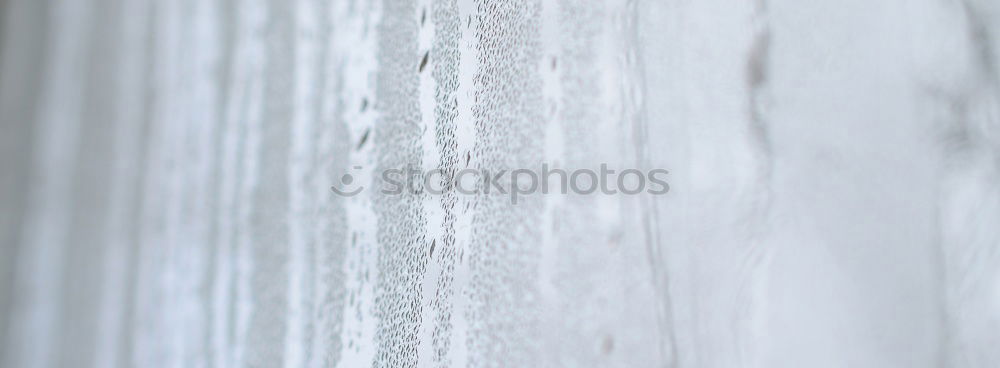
<point>402,242</point>
<point>302,203</point>
<point>269,219</point>
<point>445,52</point>
<point>350,291</point>
<point>38,274</point>
<point>114,335</point>
<point>503,248</point>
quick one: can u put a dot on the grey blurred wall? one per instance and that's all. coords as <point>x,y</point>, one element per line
<point>166,174</point>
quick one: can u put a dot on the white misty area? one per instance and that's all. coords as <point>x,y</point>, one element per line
<point>834,175</point>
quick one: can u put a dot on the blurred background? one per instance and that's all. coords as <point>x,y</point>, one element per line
<point>166,170</point>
